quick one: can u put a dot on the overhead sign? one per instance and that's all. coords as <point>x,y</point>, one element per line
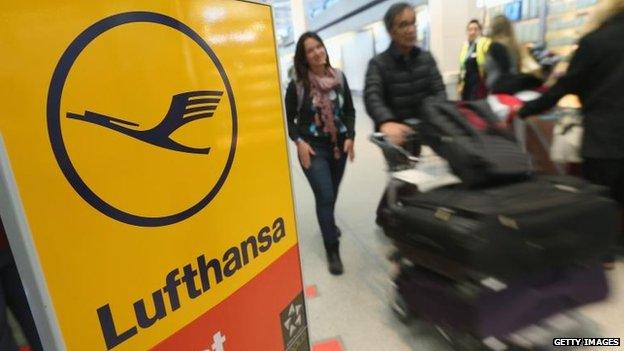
<point>147,144</point>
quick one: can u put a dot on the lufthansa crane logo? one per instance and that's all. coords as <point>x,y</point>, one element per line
<point>142,119</point>
<point>185,108</point>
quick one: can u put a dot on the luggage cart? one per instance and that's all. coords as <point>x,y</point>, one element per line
<point>415,168</point>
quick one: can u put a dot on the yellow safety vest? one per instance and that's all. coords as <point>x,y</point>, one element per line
<point>483,45</point>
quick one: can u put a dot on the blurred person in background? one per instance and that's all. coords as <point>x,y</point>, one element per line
<point>596,76</point>
<point>505,61</point>
<point>13,297</point>
<point>321,121</point>
<point>472,64</point>
<point>401,78</point>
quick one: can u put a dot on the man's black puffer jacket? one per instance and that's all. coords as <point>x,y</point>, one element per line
<point>396,86</point>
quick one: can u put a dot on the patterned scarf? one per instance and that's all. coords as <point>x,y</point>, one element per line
<point>322,90</point>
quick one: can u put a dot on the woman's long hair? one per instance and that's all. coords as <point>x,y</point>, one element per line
<point>301,62</point>
<point>502,32</point>
<point>605,10</point>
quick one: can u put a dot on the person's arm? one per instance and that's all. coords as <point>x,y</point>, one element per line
<point>290,102</point>
<point>374,96</point>
<point>570,83</point>
<point>348,110</point>
<point>438,89</point>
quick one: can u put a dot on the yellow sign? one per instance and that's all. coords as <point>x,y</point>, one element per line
<point>148,146</point>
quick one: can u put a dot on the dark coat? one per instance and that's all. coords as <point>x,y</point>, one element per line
<point>596,75</point>
<point>396,86</point>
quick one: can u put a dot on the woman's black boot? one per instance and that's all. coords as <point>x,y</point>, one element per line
<point>333,259</point>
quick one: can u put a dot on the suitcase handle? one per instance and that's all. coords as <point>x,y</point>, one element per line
<point>397,157</point>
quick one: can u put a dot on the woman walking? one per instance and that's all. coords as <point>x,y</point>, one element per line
<point>321,121</point>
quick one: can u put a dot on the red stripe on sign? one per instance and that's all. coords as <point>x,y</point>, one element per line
<point>261,315</point>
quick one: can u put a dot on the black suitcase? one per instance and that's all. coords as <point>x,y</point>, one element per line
<point>506,231</point>
<point>478,158</point>
<point>484,312</point>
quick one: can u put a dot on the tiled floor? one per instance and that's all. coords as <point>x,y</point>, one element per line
<point>352,311</point>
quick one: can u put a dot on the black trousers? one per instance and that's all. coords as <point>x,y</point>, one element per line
<point>324,175</point>
<point>609,173</point>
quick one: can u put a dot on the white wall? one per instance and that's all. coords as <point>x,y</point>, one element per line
<point>298,17</point>
<point>381,37</point>
<point>448,20</point>
<point>356,52</point>
<point>334,51</point>
<point>285,63</point>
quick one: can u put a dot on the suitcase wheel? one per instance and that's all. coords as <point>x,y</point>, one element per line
<point>401,310</point>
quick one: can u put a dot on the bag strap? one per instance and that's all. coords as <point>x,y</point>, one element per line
<point>451,112</point>
<point>340,77</point>
<point>300,94</point>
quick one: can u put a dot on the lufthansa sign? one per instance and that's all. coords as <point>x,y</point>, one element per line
<point>145,183</point>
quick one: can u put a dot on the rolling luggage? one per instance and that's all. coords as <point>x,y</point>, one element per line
<point>485,312</point>
<point>479,158</point>
<point>507,231</point>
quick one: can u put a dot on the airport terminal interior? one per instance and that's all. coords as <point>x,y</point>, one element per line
<point>354,311</point>
<point>361,306</point>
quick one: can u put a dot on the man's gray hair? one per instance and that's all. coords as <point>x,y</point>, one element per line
<point>393,12</point>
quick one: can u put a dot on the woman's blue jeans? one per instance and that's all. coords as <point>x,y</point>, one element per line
<point>324,176</point>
